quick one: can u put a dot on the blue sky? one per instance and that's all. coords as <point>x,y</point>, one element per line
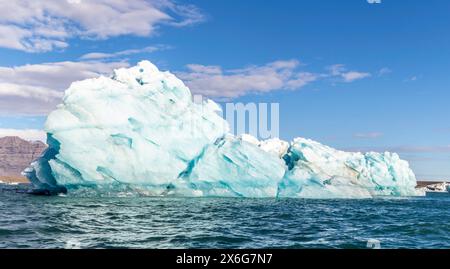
<point>349,74</point>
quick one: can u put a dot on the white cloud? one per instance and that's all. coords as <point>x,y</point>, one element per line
<point>38,26</point>
<point>213,81</point>
<point>413,78</point>
<point>339,70</point>
<point>100,55</point>
<point>26,134</point>
<point>204,69</point>
<point>353,75</point>
<point>301,79</point>
<point>37,88</point>
<point>384,71</point>
<point>11,36</point>
<point>27,91</point>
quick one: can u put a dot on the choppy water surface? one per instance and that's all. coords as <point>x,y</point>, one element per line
<point>148,222</point>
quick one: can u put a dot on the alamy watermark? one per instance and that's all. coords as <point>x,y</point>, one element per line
<point>260,120</point>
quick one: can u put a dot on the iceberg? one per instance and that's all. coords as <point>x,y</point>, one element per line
<point>140,131</point>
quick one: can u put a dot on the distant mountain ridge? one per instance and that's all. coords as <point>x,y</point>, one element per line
<point>16,154</point>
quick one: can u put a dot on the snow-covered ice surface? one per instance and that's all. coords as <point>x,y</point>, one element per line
<point>139,130</point>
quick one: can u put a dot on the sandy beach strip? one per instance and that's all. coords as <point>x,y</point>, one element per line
<point>13,179</point>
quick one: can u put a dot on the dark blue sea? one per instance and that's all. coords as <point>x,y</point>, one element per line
<point>147,222</point>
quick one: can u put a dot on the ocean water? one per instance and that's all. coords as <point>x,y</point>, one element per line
<point>162,222</point>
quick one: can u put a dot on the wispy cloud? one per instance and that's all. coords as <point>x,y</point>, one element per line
<point>27,134</point>
<point>384,71</point>
<point>213,81</point>
<point>413,78</point>
<point>340,71</point>
<point>28,91</point>
<point>336,69</point>
<point>371,135</point>
<point>353,75</point>
<point>39,26</point>
<point>36,88</point>
<point>118,54</point>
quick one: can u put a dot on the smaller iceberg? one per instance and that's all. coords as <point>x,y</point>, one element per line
<point>140,131</point>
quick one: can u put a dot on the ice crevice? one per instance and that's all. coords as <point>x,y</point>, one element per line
<point>139,131</point>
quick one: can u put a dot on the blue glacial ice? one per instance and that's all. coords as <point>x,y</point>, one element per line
<point>140,131</point>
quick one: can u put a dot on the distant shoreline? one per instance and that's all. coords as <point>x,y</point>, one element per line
<point>424,183</point>
<point>13,179</point>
